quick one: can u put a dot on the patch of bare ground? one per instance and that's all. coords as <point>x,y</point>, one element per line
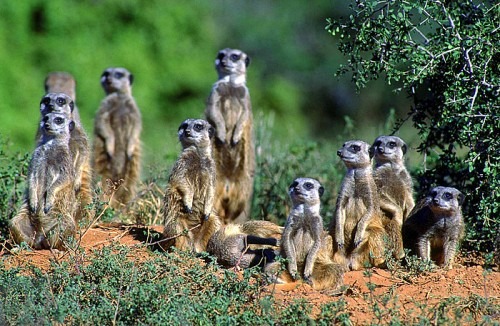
<point>372,296</point>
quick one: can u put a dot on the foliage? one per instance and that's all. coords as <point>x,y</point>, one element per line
<point>445,56</point>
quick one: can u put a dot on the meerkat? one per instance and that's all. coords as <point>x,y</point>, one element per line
<point>357,229</point>
<point>252,243</point>
<point>189,196</point>
<point>395,188</point>
<point>435,226</point>
<point>46,217</point>
<point>56,101</point>
<point>117,129</point>
<point>306,246</point>
<point>229,111</point>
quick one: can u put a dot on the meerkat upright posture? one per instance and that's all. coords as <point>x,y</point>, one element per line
<point>59,88</point>
<point>305,244</point>
<point>229,111</point>
<point>117,128</point>
<point>395,188</point>
<point>435,226</point>
<point>46,217</point>
<point>357,228</point>
<point>189,196</point>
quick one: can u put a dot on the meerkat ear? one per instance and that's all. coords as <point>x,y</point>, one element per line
<point>131,79</point>
<point>404,148</point>
<point>211,132</point>
<point>460,198</point>
<point>321,190</point>
<point>71,125</point>
<point>247,61</point>
<point>72,105</point>
<point>371,151</point>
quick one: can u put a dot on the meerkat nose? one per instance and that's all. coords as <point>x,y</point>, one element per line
<point>339,153</point>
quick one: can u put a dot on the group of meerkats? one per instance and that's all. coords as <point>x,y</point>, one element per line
<point>207,200</point>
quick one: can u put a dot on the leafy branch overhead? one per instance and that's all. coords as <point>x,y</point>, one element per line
<point>445,56</point>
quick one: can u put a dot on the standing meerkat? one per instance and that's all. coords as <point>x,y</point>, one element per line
<point>229,111</point>
<point>435,226</point>
<point>60,97</point>
<point>189,196</point>
<point>305,244</point>
<point>395,188</point>
<point>357,229</point>
<point>46,217</point>
<point>117,128</point>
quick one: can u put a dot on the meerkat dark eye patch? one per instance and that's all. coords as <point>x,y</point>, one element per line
<point>447,196</point>
<point>308,186</point>
<point>235,57</point>
<point>60,101</point>
<point>392,144</point>
<point>198,127</point>
<point>105,74</point>
<point>119,75</point>
<point>356,148</point>
<point>45,101</point>
<point>377,144</point>
<point>182,126</point>
<point>58,121</point>
<point>220,56</point>
<point>293,185</point>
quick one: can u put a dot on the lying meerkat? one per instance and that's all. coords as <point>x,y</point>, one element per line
<point>435,226</point>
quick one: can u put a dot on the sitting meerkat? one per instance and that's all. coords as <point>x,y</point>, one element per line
<point>435,226</point>
<point>117,129</point>
<point>357,229</point>
<point>306,246</point>
<point>395,188</point>
<point>46,218</point>
<point>229,110</point>
<point>189,196</point>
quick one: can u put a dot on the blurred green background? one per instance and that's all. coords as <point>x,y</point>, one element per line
<point>170,47</point>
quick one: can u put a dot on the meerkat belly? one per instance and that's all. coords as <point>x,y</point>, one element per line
<point>231,111</point>
<point>355,209</point>
<point>301,238</point>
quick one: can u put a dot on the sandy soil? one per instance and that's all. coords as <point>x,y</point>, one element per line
<point>467,278</point>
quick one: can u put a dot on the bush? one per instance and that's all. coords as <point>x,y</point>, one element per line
<point>444,56</point>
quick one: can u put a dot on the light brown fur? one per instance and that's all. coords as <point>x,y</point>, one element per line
<point>357,229</point>
<point>189,196</point>
<point>63,82</point>
<point>245,245</point>
<point>395,188</point>
<point>306,246</point>
<point>435,226</point>
<point>229,111</point>
<point>46,217</point>
<point>117,129</point>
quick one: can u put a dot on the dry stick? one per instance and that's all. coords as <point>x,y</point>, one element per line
<point>170,238</point>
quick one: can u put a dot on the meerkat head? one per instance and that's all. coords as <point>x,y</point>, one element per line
<point>117,80</point>
<point>60,81</point>
<point>56,124</point>
<point>305,191</point>
<point>232,64</point>
<point>57,103</point>
<point>444,199</point>
<point>195,132</point>
<point>356,154</point>
<point>389,149</point>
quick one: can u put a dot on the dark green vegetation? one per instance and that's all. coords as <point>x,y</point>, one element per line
<point>170,47</point>
<point>446,57</point>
